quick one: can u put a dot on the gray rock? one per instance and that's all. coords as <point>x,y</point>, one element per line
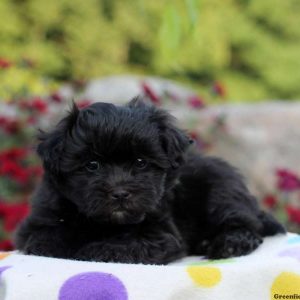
<point>256,138</point>
<point>120,89</point>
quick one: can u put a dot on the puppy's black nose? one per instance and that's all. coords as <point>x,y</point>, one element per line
<point>119,194</point>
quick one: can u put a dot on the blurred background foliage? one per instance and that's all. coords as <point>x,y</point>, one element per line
<point>252,47</point>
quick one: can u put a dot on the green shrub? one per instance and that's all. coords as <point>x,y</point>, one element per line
<point>251,46</point>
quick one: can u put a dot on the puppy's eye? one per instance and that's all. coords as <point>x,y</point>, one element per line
<point>92,166</point>
<point>140,163</point>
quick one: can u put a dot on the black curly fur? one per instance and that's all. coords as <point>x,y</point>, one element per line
<point>176,203</point>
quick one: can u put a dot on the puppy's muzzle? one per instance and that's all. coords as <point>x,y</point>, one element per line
<point>120,194</point>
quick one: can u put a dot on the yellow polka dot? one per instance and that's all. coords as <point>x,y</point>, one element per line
<point>286,283</point>
<point>4,254</point>
<point>205,276</point>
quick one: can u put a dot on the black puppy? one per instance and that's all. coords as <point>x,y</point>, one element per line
<point>122,185</point>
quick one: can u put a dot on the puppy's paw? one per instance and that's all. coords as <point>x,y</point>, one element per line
<point>41,246</point>
<point>164,249</point>
<point>161,250</point>
<point>237,242</point>
<point>104,252</point>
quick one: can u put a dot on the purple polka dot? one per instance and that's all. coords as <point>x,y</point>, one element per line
<point>93,286</point>
<point>292,252</point>
<point>2,269</point>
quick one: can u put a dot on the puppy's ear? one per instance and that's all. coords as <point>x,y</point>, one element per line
<point>174,141</point>
<point>51,144</point>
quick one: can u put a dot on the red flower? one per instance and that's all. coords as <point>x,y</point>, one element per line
<point>13,214</point>
<point>149,92</point>
<point>4,63</point>
<point>293,213</point>
<point>196,102</point>
<point>13,154</point>
<point>219,89</point>
<point>11,161</point>
<point>287,180</point>
<point>84,103</point>
<point>270,201</point>
<point>39,105</point>
<point>3,121</point>
<point>36,104</point>
<point>21,176</point>
<point>56,97</point>
<point>13,127</point>
<point>6,245</point>
<point>12,169</point>
<point>9,125</point>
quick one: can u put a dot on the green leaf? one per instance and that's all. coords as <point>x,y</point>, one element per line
<point>192,7</point>
<point>170,31</point>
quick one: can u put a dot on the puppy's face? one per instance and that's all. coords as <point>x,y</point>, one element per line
<point>114,163</point>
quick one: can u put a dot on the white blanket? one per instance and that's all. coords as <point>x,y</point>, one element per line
<point>270,272</point>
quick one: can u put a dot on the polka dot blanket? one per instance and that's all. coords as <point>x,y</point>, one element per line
<point>270,272</point>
